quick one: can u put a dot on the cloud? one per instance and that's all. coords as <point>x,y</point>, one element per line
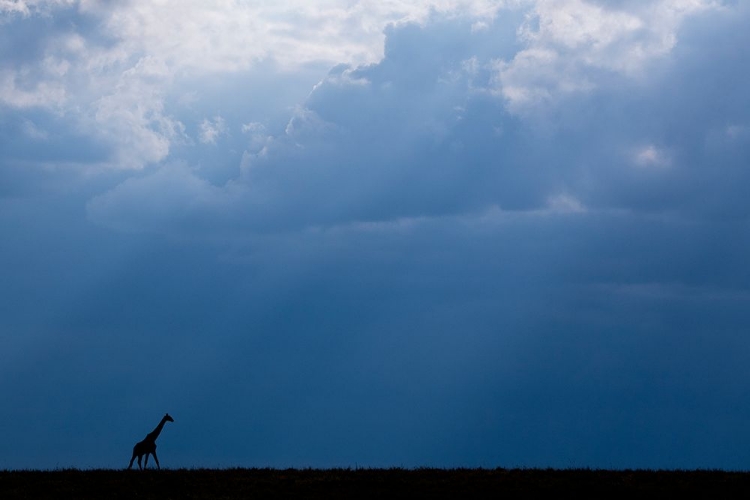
<point>38,94</point>
<point>563,203</point>
<point>650,156</point>
<point>570,43</point>
<point>110,66</point>
<point>212,129</point>
<point>422,133</point>
<point>481,109</point>
<point>34,132</point>
<point>233,35</point>
<point>170,197</point>
<point>29,7</point>
<point>132,116</point>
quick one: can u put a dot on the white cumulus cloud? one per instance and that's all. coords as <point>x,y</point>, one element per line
<point>569,41</point>
<point>210,130</point>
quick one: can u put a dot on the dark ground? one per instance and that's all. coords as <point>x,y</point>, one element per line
<point>365,483</point>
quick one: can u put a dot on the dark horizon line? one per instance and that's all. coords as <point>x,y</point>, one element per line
<point>381,469</point>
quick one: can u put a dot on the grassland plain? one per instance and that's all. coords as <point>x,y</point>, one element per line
<point>365,483</point>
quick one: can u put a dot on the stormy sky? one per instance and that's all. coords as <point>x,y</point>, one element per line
<point>448,233</point>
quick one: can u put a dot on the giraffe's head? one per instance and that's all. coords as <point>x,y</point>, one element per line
<point>168,418</point>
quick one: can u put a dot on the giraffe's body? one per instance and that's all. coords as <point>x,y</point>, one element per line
<point>148,445</point>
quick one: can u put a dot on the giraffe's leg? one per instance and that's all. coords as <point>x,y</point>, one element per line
<point>139,462</point>
<point>135,454</point>
<point>145,463</point>
<point>156,459</point>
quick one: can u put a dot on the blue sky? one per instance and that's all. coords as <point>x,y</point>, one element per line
<point>455,233</point>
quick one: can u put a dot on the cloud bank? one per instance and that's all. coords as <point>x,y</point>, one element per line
<point>440,127</point>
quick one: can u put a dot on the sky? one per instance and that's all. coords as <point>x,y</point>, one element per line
<point>446,233</point>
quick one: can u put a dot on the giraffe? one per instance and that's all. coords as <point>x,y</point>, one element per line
<point>148,445</point>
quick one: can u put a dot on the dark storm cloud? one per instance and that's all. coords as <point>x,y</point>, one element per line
<point>420,134</point>
<point>381,142</point>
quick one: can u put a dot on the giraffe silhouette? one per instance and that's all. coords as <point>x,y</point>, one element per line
<point>148,445</point>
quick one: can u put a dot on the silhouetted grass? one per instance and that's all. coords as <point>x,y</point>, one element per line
<point>364,483</point>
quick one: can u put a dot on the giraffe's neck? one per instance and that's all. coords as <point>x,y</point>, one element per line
<point>155,433</point>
